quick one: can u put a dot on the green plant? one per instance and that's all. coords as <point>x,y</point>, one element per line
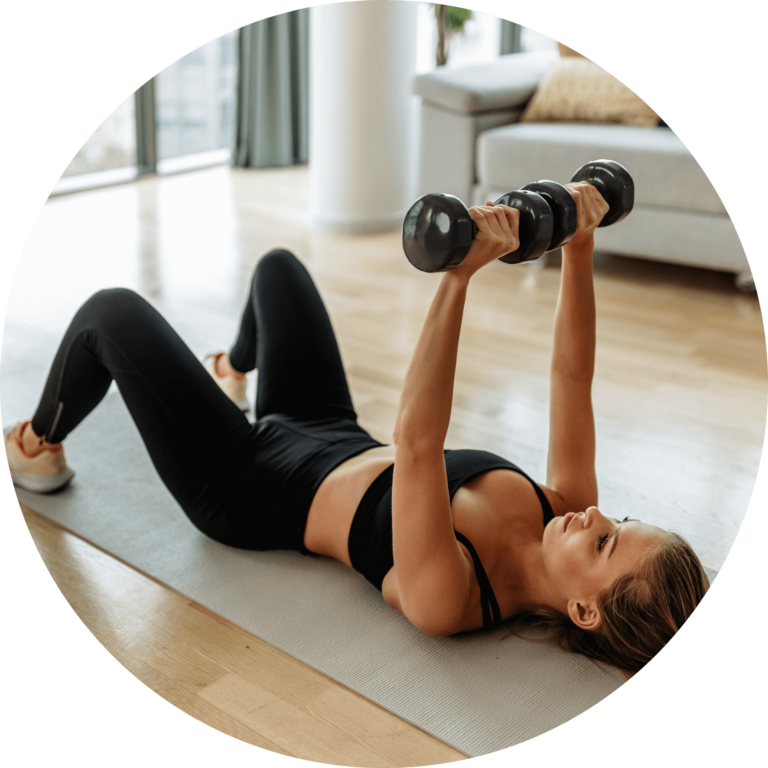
<point>450,20</point>
<point>455,17</point>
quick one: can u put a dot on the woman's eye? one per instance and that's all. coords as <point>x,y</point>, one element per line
<point>601,541</point>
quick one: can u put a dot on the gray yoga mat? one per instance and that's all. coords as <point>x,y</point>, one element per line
<point>479,693</point>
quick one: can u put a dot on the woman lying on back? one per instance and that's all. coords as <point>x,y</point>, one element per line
<point>455,540</point>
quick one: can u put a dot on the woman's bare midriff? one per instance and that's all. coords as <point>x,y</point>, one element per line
<point>337,499</point>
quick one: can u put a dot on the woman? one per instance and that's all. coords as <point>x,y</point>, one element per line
<point>455,540</point>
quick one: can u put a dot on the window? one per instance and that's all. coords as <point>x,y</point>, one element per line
<point>195,102</point>
<point>194,107</point>
<point>109,155</point>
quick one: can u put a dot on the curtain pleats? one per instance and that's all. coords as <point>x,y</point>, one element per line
<point>272,113</point>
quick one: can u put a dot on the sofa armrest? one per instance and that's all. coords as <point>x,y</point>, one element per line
<point>459,104</point>
<point>504,83</point>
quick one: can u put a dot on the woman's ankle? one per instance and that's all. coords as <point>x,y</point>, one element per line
<point>31,443</point>
<point>224,368</point>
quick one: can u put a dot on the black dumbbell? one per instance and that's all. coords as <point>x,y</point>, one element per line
<point>438,230</point>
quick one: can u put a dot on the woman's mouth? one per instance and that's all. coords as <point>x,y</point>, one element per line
<point>567,519</point>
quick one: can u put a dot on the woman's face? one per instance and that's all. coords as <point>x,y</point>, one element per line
<point>586,552</point>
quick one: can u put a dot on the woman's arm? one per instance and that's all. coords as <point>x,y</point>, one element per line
<point>425,403</point>
<point>571,460</point>
<point>432,575</point>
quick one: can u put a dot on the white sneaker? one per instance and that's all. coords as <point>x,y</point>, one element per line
<point>46,472</point>
<point>233,387</point>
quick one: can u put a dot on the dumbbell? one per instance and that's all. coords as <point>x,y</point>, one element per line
<point>438,230</point>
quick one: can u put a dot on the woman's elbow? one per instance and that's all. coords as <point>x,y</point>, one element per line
<point>435,627</point>
<point>437,618</point>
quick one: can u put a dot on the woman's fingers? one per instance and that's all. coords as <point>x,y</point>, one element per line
<point>475,213</point>
<point>590,205</point>
<point>485,221</point>
<point>497,229</point>
<point>580,214</point>
<point>500,222</point>
<point>509,223</point>
<point>596,205</point>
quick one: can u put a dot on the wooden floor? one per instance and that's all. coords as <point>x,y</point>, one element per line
<point>680,403</point>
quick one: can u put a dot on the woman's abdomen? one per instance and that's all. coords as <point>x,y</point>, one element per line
<point>337,499</point>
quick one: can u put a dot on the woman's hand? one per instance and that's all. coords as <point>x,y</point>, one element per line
<point>497,235</point>
<point>590,210</point>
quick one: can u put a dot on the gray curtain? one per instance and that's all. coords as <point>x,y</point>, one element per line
<point>272,111</point>
<point>510,37</point>
<point>146,136</point>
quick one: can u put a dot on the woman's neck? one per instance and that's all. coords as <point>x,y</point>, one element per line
<point>529,585</point>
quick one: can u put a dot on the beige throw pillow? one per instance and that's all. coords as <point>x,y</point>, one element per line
<point>576,89</point>
<point>566,51</point>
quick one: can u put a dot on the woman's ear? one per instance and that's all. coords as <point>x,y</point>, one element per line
<point>584,615</point>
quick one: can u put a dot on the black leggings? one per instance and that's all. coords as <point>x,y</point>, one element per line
<point>245,485</point>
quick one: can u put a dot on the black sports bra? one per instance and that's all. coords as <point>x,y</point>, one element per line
<point>370,536</point>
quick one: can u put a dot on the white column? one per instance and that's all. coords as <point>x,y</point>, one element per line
<point>362,61</point>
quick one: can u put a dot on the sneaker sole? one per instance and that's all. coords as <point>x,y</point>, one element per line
<point>42,483</point>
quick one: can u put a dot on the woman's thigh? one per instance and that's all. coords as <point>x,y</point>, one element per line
<point>300,368</point>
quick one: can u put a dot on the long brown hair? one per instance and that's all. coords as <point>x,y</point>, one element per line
<point>641,611</point>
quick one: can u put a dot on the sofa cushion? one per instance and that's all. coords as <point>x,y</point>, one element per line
<point>664,172</point>
<point>578,89</point>
<point>509,81</point>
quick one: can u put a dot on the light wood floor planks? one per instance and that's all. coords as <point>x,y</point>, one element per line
<point>219,673</point>
<point>680,404</point>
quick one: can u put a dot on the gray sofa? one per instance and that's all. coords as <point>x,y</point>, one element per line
<point>472,145</point>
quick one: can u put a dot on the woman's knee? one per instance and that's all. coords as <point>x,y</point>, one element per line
<point>278,263</point>
<point>107,297</point>
<point>279,272</point>
<point>109,304</point>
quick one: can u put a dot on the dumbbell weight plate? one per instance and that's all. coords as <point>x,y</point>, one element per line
<point>614,183</point>
<point>564,211</point>
<point>437,232</point>
<point>536,225</point>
